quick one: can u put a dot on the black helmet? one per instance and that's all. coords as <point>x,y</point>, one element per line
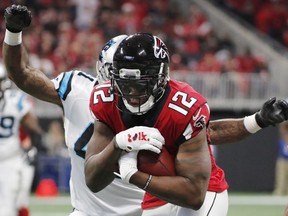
<point>141,61</point>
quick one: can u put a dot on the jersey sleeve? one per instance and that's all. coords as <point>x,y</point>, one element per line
<point>101,101</point>
<point>62,84</point>
<point>73,87</point>
<point>200,119</point>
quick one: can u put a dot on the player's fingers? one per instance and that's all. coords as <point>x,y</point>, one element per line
<point>269,103</point>
<point>272,100</point>
<point>150,147</point>
<point>156,143</point>
<point>153,133</point>
<point>158,136</point>
<point>284,106</point>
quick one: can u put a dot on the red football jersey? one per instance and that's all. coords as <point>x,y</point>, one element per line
<point>180,114</point>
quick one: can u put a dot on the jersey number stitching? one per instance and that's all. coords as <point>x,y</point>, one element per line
<point>183,98</point>
<point>102,95</point>
<point>6,126</point>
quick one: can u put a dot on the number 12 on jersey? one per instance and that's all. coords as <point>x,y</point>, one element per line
<point>182,98</point>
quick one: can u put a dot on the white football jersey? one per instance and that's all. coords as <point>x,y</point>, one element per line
<point>13,107</point>
<point>118,198</point>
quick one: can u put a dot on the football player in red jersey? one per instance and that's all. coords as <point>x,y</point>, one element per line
<point>142,99</point>
<point>33,82</point>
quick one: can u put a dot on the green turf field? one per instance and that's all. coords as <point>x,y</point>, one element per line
<point>240,205</point>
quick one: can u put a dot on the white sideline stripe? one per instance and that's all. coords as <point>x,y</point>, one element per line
<point>48,214</point>
<point>258,200</point>
<point>233,200</point>
<point>58,201</point>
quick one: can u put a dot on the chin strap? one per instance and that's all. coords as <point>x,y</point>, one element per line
<point>143,108</point>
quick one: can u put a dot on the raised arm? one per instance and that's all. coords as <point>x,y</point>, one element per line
<point>29,79</point>
<point>224,131</point>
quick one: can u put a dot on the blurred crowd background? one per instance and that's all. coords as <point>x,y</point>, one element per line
<point>69,34</point>
<point>236,72</point>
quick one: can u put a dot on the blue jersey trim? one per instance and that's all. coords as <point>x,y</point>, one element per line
<point>20,103</point>
<point>64,84</point>
<point>80,145</point>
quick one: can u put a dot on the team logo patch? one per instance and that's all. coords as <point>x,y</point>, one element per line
<point>105,48</point>
<point>160,49</point>
<point>200,122</point>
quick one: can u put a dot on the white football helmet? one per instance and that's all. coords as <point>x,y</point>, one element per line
<point>104,64</point>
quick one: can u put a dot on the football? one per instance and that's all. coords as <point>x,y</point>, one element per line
<point>156,164</point>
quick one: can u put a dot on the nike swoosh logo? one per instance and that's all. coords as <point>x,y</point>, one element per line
<point>197,115</point>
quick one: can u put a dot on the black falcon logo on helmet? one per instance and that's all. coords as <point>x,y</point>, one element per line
<point>160,49</point>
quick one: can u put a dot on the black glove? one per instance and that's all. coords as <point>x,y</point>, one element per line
<point>17,17</point>
<point>272,112</point>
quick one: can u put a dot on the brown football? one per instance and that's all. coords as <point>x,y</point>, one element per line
<point>156,164</point>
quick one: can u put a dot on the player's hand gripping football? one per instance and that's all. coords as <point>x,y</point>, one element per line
<point>17,17</point>
<point>140,138</point>
<point>272,112</point>
<point>127,165</point>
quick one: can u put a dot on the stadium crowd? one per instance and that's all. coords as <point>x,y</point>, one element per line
<point>72,32</point>
<point>268,16</point>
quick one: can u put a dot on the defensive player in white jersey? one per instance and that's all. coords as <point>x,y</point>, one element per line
<point>71,90</point>
<point>118,198</point>
<point>15,111</point>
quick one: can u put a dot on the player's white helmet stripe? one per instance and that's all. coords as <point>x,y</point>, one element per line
<point>105,60</point>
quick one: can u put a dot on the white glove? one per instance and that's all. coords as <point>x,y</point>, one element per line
<point>127,165</point>
<point>140,138</point>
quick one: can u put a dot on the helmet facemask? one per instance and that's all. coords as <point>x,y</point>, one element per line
<point>140,72</point>
<point>103,71</point>
<point>139,89</point>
